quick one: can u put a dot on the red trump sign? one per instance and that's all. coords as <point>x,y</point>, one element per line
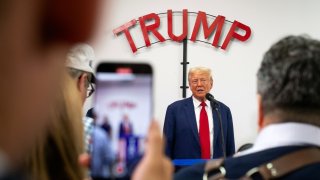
<point>215,28</point>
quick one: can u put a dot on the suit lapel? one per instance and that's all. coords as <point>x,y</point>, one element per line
<point>191,118</point>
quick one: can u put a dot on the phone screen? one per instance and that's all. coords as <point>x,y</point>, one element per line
<point>123,110</point>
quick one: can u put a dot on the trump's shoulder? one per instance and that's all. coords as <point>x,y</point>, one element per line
<point>223,106</point>
<point>180,102</point>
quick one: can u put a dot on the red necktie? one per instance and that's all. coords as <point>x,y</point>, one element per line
<point>204,133</point>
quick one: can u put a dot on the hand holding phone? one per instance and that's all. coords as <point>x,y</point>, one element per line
<point>154,164</point>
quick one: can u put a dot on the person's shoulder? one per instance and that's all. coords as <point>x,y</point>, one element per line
<point>99,133</point>
<point>180,102</point>
<point>238,165</point>
<point>223,106</point>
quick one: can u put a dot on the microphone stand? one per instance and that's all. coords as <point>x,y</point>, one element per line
<point>214,106</point>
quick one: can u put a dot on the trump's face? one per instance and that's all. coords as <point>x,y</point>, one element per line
<point>200,84</point>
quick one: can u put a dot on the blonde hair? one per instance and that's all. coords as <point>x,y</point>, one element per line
<point>200,69</point>
<point>55,155</point>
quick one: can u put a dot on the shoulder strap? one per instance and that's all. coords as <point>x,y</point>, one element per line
<point>286,164</point>
<point>214,170</point>
<point>277,168</point>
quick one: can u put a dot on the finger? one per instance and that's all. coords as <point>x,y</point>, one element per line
<point>155,144</point>
<point>167,168</point>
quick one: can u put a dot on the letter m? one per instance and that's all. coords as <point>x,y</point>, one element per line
<point>216,24</point>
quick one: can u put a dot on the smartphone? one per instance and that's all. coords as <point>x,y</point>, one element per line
<point>123,107</point>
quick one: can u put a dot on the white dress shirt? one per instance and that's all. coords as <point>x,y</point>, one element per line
<point>197,109</point>
<point>285,134</point>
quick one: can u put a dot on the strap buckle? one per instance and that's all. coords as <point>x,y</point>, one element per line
<point>214,170</point>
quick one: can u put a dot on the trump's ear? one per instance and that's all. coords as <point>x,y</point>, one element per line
<point>68,21</point>
<point>260,112</point>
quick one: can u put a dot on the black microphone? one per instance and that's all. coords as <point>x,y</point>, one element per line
<point>210,97</point>
<point>215,105</point>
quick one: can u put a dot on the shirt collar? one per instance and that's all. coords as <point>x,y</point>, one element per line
<point>285,134</point>
<point>197,103</point>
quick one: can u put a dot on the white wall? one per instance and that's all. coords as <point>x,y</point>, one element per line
<point>234,69</point>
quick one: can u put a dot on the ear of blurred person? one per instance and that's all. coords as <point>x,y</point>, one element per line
<point>35,36</point>
<point>83,86</point>
<point>56,153</point>
<point>260,112</point>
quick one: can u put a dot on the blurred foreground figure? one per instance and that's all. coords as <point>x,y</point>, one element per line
<point>79,62</point>
<point>56,153</point>
<point>35,36</point>
<point>288,143</point>
<point>79,65</point>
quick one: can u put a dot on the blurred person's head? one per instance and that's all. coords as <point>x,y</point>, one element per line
<point>56,153</point>
<point>126,118</point>
<point>79,63</point>
<point>35,37</point>
<point>200,82</point>
<point>289,82</point>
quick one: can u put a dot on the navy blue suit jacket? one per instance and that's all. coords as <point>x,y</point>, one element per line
<point>238,166</point>
<point>122,132</point>
<point>181,132</point>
